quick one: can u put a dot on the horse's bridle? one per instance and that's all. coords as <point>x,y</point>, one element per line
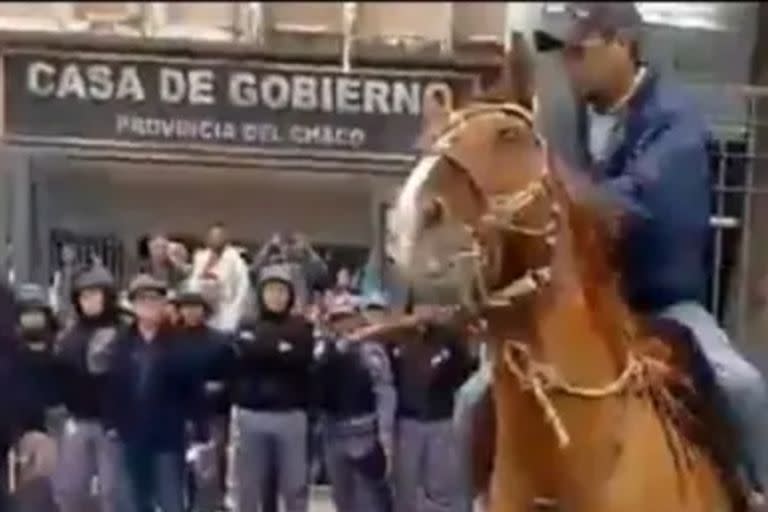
<point>538,377</point>
<point>503,209</point>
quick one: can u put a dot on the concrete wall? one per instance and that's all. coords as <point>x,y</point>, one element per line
<point>129,199</point>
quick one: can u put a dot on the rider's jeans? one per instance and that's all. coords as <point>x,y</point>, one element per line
<point>742,384</point>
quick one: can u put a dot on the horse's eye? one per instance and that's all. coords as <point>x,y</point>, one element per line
<point>433,212</point>
<point>509,133</point>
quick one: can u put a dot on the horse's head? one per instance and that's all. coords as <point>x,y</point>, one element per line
<point>475,215</point>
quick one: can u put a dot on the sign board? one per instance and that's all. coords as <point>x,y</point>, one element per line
<point>218,105</point>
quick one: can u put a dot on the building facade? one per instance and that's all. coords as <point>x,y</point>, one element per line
<point>120,119</point>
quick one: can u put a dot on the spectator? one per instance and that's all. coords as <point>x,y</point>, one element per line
<point>211,410</point>
<point>167,261</point>
<point>63,281</point>
<point>342,290</point>
<point>151,388</point>
<point>307,269</point>
<point>221,274</point>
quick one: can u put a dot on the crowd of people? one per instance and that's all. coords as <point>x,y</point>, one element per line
<point>210,384</point>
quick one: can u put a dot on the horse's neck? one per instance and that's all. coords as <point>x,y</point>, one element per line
<point>576,323</point>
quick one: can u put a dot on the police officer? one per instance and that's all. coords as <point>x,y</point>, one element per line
<point>271,394</point>
<point>215,354</point>
<point>86,447</point>
<point>37,329</point>
<point>357,408</point>
<point>428,372</point>
<point>22,410</point>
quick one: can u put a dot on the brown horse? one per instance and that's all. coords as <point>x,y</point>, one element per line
<point>585,417</point>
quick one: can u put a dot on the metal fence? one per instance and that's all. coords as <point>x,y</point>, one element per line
<point>739,184</point>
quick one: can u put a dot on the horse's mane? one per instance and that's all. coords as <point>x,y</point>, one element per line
<point>591,216</point>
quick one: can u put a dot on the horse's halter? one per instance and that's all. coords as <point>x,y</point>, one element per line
<point>504,209</point>
<point>540,378</point>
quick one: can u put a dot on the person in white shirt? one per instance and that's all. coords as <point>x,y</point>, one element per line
<point>222,275</point>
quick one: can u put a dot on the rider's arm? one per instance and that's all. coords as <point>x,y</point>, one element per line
<point>667,164</point>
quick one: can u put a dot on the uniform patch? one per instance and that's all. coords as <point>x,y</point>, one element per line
<point>247,336</point>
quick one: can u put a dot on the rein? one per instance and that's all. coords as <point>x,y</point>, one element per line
<point>540,378</point>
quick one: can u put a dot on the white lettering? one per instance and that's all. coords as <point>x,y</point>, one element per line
<point>173,87</point>
<point>71,83</point>
<point>406,98</point>
<point>327,135</point>
<point>129,87</point>
<point>275,91</point>
<point>242,89</point>
<point>327,94</point>
<point>304,92</point>
<point>376,97</point>
<point>201,87</point>
<point>101,87</point>
<point>122,123</point>
<point>347,95</point>
<point>40,79</point>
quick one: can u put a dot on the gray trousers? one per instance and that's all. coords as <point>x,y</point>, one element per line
<point>85,452</point>
<point>352,489</point>
<point>427,473</point>
<point>259,442</point>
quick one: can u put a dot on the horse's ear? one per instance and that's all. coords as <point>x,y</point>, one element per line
<point>515,83</point>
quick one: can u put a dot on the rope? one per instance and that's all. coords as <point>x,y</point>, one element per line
<point>539,378</point>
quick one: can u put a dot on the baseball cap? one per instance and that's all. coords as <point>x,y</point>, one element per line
<point>584,18</point>
<point>144,283</point>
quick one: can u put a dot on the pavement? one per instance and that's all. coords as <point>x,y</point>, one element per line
<point>320,499</point>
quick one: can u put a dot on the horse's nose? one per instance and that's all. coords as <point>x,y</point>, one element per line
<point>433,212</point>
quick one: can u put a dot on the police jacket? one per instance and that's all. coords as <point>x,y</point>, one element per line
<point>20,406</point>
<point>83,354</point>
<point>428,372</point>
<point>660,170</point>
<point>354,379</point>
<point>274,364</point>
<point>274,355</point>
<point>152,389</point>
<point>42,369</point>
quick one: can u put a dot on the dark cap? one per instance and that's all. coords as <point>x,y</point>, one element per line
<point>584,18</point>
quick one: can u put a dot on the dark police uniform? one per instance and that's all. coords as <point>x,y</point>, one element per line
<point>269,431</point>
<point>428,372</point>
<point>85,447</point>
<point>37,328</point>
<point>357,404</point>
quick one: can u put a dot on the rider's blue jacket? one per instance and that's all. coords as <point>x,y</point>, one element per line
<point>661,166</point>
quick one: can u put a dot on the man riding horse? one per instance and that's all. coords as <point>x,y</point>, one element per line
<point>645,143</point>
